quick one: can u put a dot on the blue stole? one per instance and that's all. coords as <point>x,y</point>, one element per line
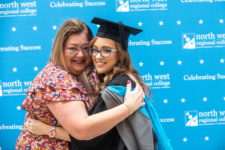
<point>149,111</point>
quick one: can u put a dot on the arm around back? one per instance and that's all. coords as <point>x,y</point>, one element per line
<point>74,118</point>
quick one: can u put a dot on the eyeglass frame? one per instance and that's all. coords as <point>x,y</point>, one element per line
<point>99,51</point>
<point>75,52</point>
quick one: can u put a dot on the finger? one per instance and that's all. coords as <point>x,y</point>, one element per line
<point>137,88</point>
<point>140,89</point>
<point>29,124</point>
<point>31,120</point>
<point>142,92</point>
<point>128,90</point>
<point>142,104</point>
<point>26,124</point>
<point>28,128</point>
<point>143,96</point>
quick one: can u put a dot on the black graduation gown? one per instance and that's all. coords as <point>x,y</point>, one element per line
<point>111,140</point>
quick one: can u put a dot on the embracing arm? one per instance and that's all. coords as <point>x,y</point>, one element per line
<point>78,130</point>
<point>75,120</point>
<point>40,128</point>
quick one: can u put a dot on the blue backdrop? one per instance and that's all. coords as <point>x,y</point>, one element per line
<point>180,55</point>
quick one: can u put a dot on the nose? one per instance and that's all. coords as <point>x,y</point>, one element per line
<point>98,55</point>
<point>80,53</point>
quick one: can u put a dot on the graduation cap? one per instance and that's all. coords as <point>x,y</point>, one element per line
<point>115,31</point>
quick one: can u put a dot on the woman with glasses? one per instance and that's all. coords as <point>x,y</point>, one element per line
<point>142,130</point>
<point>62,94</point>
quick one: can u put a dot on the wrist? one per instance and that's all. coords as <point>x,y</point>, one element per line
<point>46,129</point>
<point>129,108</point>
<point>52,132</point>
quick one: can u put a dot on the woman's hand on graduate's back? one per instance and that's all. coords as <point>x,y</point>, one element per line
<point>134,99</point>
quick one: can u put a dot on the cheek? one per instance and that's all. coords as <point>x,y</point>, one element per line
<point>114,63</point>
<point>111,64</point>
<point>115,60</point>
<point>67,60</point>
<point>66,55</point>
<point>93,59</point>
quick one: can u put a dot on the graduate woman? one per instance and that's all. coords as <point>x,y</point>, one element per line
<point>142,130</point>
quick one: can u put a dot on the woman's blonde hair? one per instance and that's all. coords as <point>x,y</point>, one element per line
<point>69,27</point>
<point>122,67</point>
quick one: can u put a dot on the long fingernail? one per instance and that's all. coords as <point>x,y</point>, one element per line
<point>128,82</point>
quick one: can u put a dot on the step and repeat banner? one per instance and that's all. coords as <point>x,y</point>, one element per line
<point>180,55</point>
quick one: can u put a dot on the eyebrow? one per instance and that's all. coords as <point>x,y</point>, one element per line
<point>70,44</point>
<point>105,47</point>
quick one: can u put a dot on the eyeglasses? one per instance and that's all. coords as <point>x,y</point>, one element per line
<point>75,50</point>
<point>104,52</point>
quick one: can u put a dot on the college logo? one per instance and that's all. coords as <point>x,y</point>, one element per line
<point>140,5</point>
<point>157,81</point>
<point>14,88</point>
<point>122,6</point>
<point>191,118</point>
<point>188,40</point>
<point>205,40</point>
<point>17,8</point>
<point>200,118</point>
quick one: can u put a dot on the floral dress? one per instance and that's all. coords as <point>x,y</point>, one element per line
<point>52,84</point>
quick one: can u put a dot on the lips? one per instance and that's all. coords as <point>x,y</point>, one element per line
<point>78,61</point>
<point>99,64</point>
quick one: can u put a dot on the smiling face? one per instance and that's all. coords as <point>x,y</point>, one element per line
<point>105,65</point>
<point>76,63</point>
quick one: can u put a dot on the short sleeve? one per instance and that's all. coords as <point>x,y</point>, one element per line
<point>51,94</point>
<point>53,84</point>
